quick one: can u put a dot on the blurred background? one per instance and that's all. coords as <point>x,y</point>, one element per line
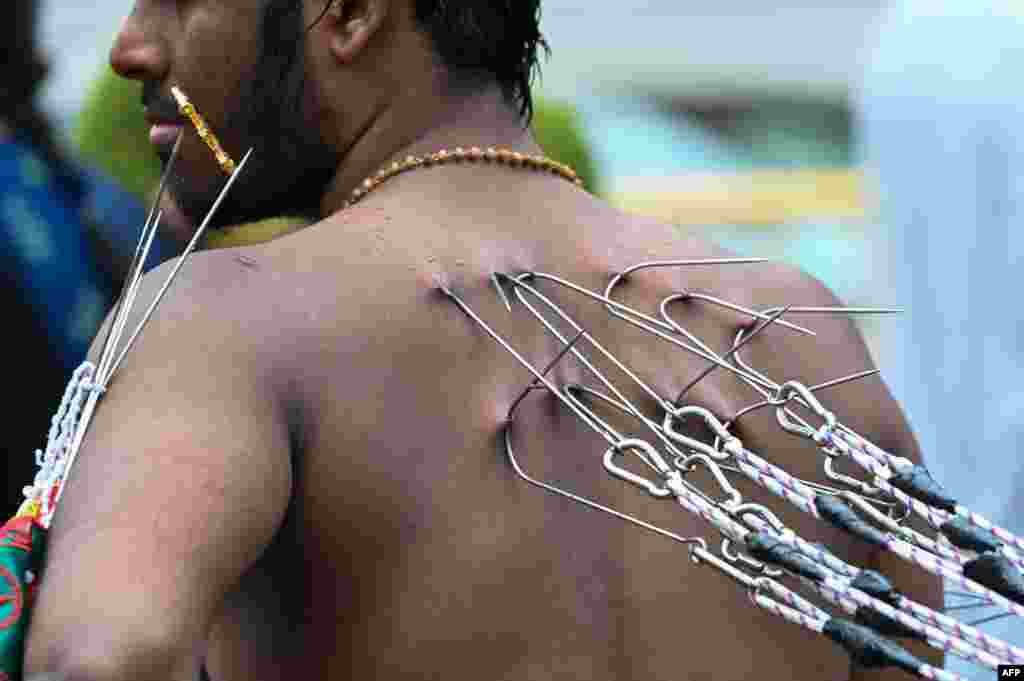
<point>733,120</point>
<point>822,134</point>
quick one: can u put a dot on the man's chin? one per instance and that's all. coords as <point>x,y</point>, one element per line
<point>174,223</point>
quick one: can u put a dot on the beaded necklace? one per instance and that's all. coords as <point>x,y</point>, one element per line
<point>506,157</point>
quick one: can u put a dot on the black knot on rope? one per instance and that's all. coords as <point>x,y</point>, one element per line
<point>964,535</point>
<point>995,571</point>
<point>835,512</point>
<point>868,649</point>
<point>769,549</point>
<point>916,481</point>
<point>877,586</point>
<point>885,625</point>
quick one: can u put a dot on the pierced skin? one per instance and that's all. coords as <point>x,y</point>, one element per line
<point>299,467</point>
<point>444,551</point>
<point>203,130</point>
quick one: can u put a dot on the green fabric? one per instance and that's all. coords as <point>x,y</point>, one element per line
<point>22,546</point>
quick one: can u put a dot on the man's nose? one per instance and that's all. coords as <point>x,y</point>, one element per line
<point>137,54</point>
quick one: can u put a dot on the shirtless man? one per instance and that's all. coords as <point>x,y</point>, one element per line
<point>298,472</point>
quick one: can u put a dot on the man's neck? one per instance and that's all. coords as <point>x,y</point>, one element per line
<point>479,120</point>
<point>6,132</point>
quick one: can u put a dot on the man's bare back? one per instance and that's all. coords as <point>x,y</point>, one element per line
<point>411,549</point>
<point>299,469</point>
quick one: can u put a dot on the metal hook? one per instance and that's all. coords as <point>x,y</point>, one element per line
<point>544,372</point>
<point>840,309</point>
<point>520,285</point>
<point>739,308</point>
<point>501,291</point>
<point>572,389</point>
<point>575,408</point>
<point>622,276</point>
<point>736,348</point>
<point>692,541</point>
<point>747,369</point>
<point>466,309</point>
<point>649,324</point>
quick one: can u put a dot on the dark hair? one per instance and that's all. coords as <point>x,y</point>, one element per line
<point>488,40</point>
<point>483,41</point>
<point>22,71</point>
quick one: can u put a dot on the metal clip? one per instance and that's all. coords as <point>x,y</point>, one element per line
<point>716,426</point>
<point>735,498</point>
<point>773,521</point>
<point>648,454</point>
<point>860,485</point>
<point>784,394</point>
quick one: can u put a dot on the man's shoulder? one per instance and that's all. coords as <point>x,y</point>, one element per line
<point>766,283</point>
<point>207,303</point>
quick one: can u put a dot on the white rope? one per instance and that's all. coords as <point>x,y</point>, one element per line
<point>52,461</point>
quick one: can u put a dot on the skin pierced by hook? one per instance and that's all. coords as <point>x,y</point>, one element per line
<point>510,452</point>
<point>572,396</point>
<point>736,348</point>
<point>535,384</point>
<point>647,323</point>
<point>625,274</point>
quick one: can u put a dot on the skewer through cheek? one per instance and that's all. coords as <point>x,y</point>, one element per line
<point>187,109</point>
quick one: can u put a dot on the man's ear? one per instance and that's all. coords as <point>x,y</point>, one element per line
<point>351,24</point>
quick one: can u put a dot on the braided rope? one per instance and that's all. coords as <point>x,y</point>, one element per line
<point>737,521</point>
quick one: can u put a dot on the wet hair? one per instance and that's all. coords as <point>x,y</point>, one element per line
<point>22,71</point>
<point>483,41</point>
<point>486,41</point>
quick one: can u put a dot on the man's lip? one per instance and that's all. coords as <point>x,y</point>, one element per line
<point>163,134</point>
